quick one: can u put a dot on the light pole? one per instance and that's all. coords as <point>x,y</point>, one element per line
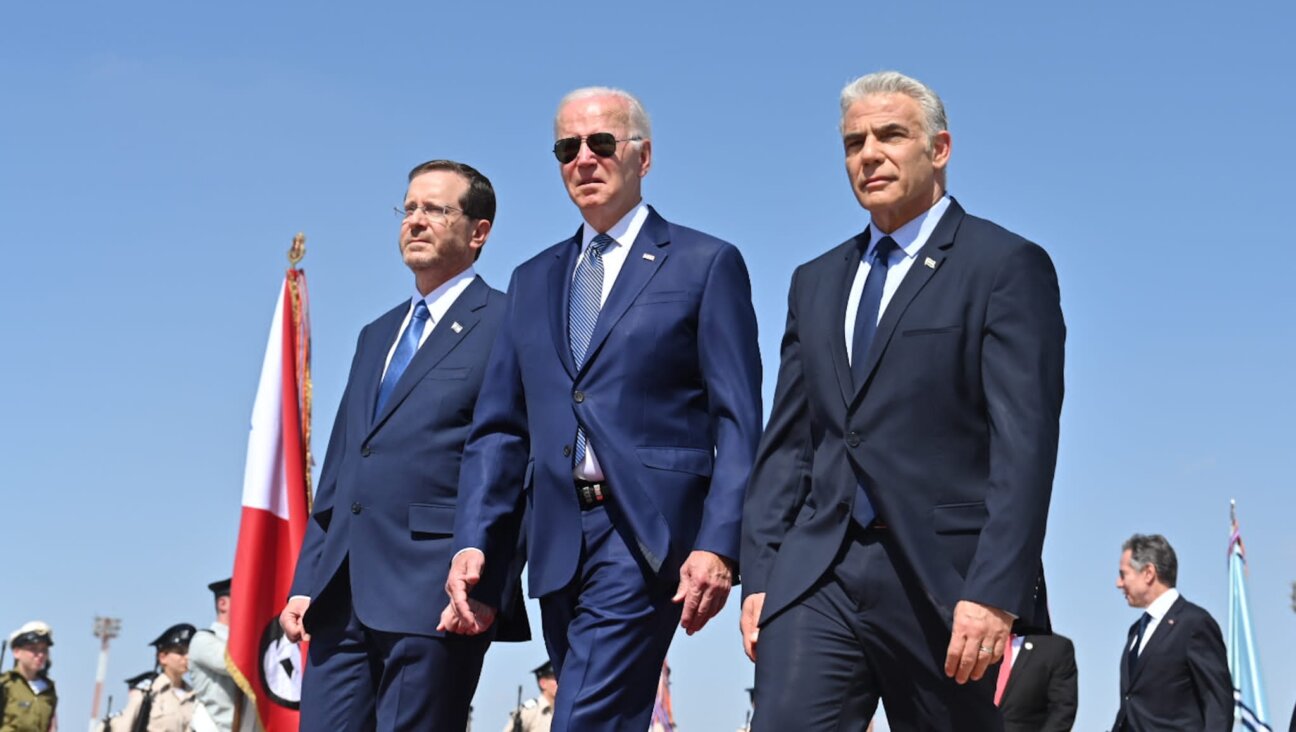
<point>105,629</point>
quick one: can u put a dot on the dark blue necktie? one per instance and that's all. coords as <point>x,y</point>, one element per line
<point>405,350</point>
<point>1138,639</point>
<point>866,321</point>
<point>583,311</point>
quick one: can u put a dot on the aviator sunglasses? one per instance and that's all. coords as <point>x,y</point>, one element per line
<point>602,144</point>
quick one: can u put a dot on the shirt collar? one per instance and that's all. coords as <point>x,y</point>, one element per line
<point>1160,606</point>
<point>439,300</point>
<point>912,236</point>
<point>622,232</point>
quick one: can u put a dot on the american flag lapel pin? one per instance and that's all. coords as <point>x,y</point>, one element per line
<point>1170,621</point>
<point>456,327</point>
<point>929,263</point>
<point>649,257</point>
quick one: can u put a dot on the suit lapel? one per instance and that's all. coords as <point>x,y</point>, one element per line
<point>920,272</point>
<point>440,342</point>
<point>1164,633</point>
<point>635,273</point>
<point>561,272</point>
<point>370,372</point>
<point>1023,663</point>
<point>837,335</point>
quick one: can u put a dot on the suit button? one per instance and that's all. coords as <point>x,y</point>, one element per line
<point>578,396</point>
<point>566,450</point>
<point>365,451</point>
<point>853,439</point>
<point>356,508</point>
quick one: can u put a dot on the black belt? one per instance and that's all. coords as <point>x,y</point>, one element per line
<point>591,495</point>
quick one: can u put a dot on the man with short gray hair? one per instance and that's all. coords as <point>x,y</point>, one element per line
<point>1174,669</point>
<point>895,517</point>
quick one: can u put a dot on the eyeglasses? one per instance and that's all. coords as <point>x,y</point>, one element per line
<point>434,213</point>
<point>602,144</point>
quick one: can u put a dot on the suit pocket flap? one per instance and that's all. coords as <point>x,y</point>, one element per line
<point>681,459</point>
<point>430,518</point>
<point>459,373</point>
<point>959,518</point>
<point>648,298</point>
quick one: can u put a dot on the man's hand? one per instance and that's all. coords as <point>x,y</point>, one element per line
<point>291,619</point>
<point>464,615</point>
<point>980,634</point>
<point>751,612</point>
<point>705,579</point>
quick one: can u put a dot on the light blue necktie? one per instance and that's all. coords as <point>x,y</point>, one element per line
<point>405,350</point>
<point>866,321</point>
<point>583,311</point>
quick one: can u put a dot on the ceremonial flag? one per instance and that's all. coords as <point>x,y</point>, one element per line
<point>276,506</point>
<point>663,718</point>
<point>1249,708</point>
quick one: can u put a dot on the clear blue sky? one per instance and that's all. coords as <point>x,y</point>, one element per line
<point>156,159</point>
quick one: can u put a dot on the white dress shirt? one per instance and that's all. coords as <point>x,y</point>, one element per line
<point>623,235</point>
<point>1157,610</point>
<point>910,238</point>
<point>438,304</point>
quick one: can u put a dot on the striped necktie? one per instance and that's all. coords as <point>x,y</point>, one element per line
<point>583,311</point>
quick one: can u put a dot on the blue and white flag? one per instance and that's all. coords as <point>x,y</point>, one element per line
<point>1249,709</point>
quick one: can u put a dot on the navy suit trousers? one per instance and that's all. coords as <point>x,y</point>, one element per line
<point>608,632</point>
<point>359,679</point>
<point>862,633</point>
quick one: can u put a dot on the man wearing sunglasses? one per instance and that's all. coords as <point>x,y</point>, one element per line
<point>622,406</point>
<point>895,518</point>
<point>372,568</point>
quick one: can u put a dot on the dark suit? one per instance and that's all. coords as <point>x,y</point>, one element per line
<point>953,434</point>
<point>1042,693</point>
<point>376,551</point>
<point>669,396</point>
<point>1181,680</point>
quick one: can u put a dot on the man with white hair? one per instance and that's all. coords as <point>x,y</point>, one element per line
<point>895,517</point>
<point>622,405</point>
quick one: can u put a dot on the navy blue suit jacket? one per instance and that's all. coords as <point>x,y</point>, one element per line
<point>954,433</point>
<point>389,487</point>
<point>1181,681</point>
<point>669,397</point>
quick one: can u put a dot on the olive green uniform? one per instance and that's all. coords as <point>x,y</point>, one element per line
<point>24,709</point>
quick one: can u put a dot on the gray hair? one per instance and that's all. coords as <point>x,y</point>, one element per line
<point>637,122</point>
<point>894,82</point>
<point>1153,549</point>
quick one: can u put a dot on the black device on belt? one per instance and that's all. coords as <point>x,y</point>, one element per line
<point>591,494</point>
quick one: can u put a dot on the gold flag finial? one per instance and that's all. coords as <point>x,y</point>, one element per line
<point>298,250</point>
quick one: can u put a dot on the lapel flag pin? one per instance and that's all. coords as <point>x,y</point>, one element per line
<point>929,263</point>
<point>456,327</point>
<point>649,257</point>
<point>1170,621</point>
<point>1028,645</point>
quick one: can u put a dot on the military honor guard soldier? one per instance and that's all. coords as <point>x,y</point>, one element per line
<point>136,687</point>
<point>168,704</point>
<point>212,682</point>
<point>27,695</point>
<point>535,715</point>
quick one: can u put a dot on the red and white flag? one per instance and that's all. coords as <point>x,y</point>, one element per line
<point>276,507</point>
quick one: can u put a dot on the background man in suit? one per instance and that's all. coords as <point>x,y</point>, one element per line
<point>373,564</point>
<point>1174,670</point>
<point>622,405</point>
<point>1037,689</point>
<point>895,517</point>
